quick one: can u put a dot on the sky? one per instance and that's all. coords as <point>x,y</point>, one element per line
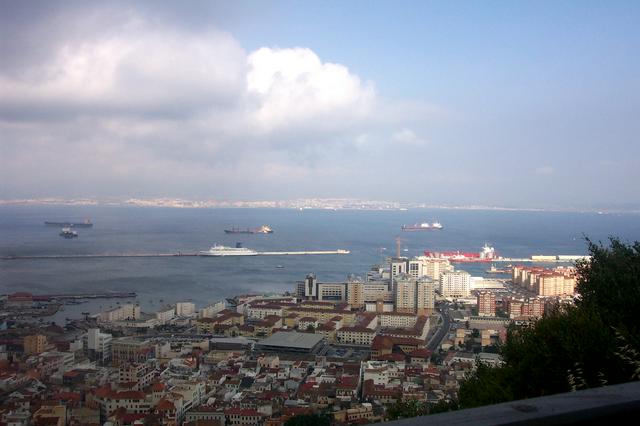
<point>516,104</point>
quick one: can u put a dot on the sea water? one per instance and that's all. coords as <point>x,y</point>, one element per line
<point>369,235</point>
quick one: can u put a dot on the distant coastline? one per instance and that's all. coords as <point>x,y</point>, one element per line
<point>298,204</point>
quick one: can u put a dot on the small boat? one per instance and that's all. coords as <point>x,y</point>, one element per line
<point>279,266</point>
<point>68,233</point>
<point>494,270</point>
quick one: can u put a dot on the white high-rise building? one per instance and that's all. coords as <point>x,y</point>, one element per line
<point>355,293</point>
<point>426,296</point>
<point>99,345</point>
<point>308,289</point>
<point>398,266</point>
<point>416,267</point>
<point>434,268</point>
<point>455,284</point>
<point>414,295</point>
<point>405,291</point>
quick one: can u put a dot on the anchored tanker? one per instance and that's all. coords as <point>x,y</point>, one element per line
<point>264,229</point>
<point>422,227</point>
<point>86,224</point>
<point>487,254</point>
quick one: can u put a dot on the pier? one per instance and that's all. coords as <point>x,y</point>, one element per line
<point>76,296</point>
<point>96,256</point>
<point>546,259</point>
<point>300,253</point>
<point>177,254</point>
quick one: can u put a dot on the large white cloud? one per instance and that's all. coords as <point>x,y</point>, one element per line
<point>294,85</point>
<point>116,112</point>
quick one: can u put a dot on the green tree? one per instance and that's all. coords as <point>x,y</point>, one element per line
<point>485,386</point>
<point>309,420</point>
<point>586,345</point>
<point>610,285</point>
<point>406,409</point>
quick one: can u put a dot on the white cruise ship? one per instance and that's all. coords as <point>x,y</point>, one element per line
<point>218,250</point>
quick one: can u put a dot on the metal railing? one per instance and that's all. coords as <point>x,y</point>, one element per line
<point>591,406</point>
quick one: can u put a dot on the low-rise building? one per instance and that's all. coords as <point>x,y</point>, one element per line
<point>185,309</point>
<point>136,376</point>
<point>260,311</point>
<point>125,312</point>
<point>131,350</point>
<point>165,314</point>
<point>357,335</point>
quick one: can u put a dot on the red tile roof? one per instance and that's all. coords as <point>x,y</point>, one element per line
<point>165,405</point>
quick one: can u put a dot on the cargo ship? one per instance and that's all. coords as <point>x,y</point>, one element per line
<point>422,227</point>
<point>264,229</point>
<point>487,254</point>
<point>86,224</point>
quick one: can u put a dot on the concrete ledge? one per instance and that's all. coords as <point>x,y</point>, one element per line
<point>591,406</point>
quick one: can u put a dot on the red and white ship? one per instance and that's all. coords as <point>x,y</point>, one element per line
<point>487,254</point>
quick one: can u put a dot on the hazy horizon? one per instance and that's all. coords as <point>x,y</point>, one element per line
<point>525,105</point>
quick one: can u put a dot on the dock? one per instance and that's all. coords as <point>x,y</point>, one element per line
<point>178,254</point>
<point>95,256</point>
<point>81,296</point>
<point>541,259</point>
<point>300,253</point>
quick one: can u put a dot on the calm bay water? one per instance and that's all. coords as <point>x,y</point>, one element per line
<point>368,234</point>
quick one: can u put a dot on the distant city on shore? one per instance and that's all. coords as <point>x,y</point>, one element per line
<point>299,203</point>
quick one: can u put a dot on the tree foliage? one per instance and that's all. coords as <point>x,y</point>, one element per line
<point>610,285</point>
<point>406,409</point>
<point>590,344</point>
<point>414,408</point>
<point>309,420</point>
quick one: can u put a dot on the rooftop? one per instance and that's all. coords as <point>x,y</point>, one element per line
<point>293,340</point>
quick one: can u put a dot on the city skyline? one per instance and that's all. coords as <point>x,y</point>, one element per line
<point>527,106</point>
